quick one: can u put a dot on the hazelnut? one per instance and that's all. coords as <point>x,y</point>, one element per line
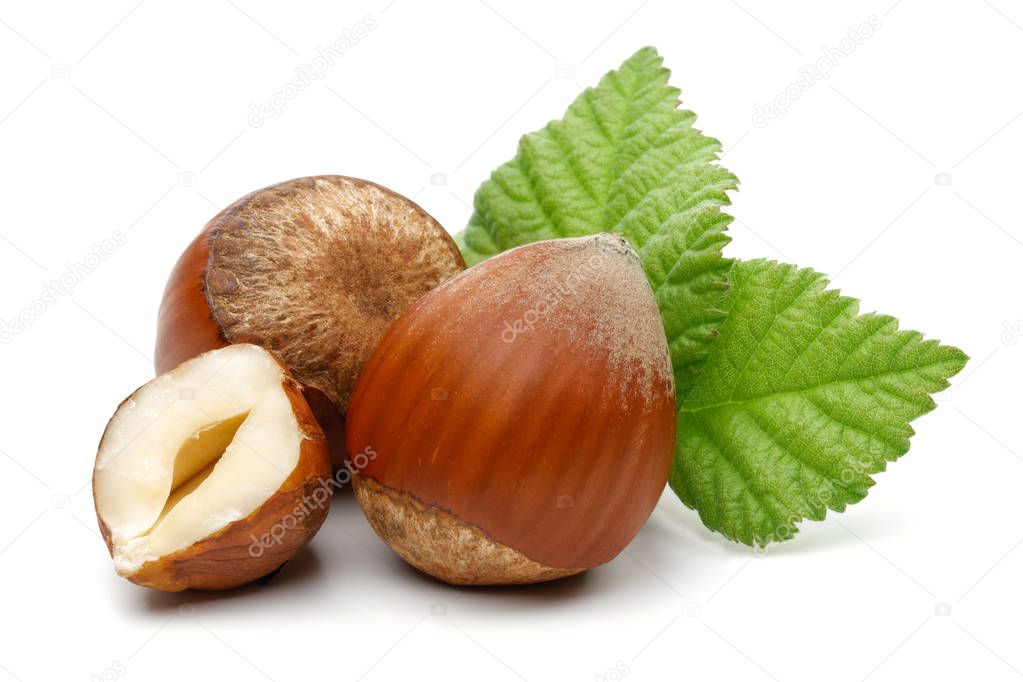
<point>211,475</point>
<point>554,435</point>
<point>313,269</point>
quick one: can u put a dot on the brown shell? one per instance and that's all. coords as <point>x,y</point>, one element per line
<point>540,412</point>
<point>439,543</point>
<point>313,269</point>
<point>184,326</point>
<point>223,560</point>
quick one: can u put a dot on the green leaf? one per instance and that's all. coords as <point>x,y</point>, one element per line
<point>799,402</point>
<point>623,159</point>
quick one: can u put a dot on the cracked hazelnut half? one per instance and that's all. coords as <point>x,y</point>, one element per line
<point>211,475</point>
<point>522,416</point>
<point>313,269</point>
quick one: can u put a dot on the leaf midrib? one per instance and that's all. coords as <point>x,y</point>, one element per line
<point>800,391</point>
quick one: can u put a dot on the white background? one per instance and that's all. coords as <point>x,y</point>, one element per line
<point>135,119</point>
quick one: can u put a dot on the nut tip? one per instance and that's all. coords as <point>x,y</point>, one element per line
<point>614,241</point>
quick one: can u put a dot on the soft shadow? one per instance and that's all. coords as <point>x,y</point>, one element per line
<point>300,570</point>
<point>341,491</point>
<point>669,524</point>
<point>344,498</point>
<point>835,532</point>
<point>553,591</point>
